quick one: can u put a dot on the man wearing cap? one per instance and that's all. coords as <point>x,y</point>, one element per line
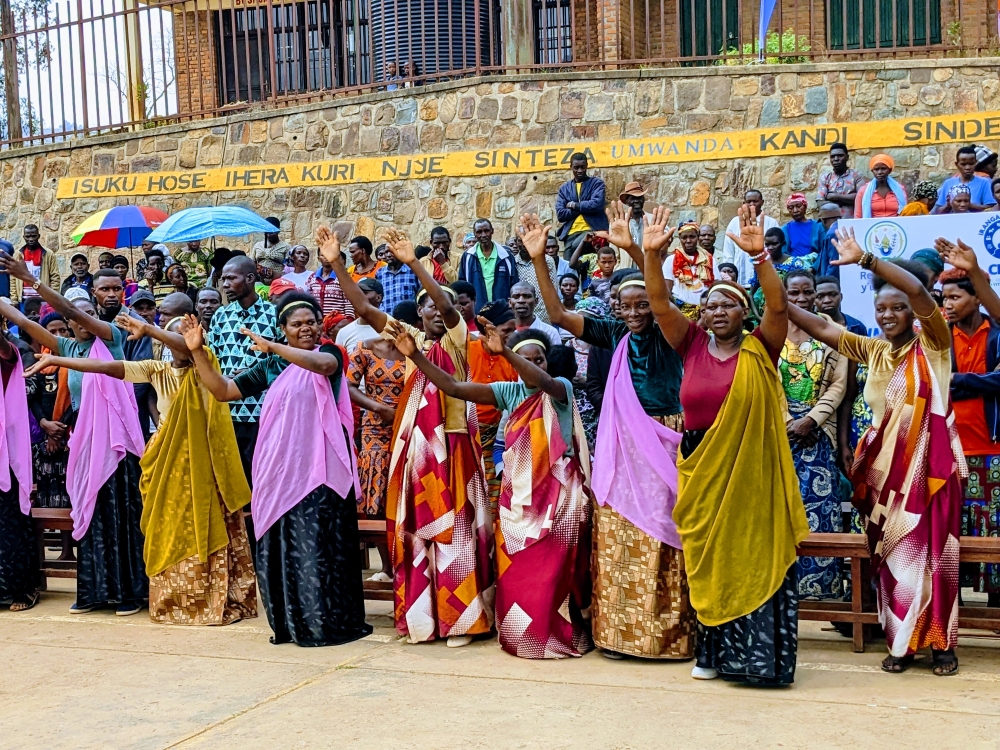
<point>732,254</point>
<point>272,247</point>
<point>42,264</point>
<point>802,234</point>
<point>580,206</point>
<point>196,261</point>
<point>143,305</point>
<point>361,329</point>
<point>829,216</point>
<point>81,277</point>
<point>986,162</point>
<point>967,160</point>
<point>634,197</point>
<point>841,185</point>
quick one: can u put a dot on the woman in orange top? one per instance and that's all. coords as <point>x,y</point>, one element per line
<point>488,368</point>
<point>365,265</point>
<point>883,196</point>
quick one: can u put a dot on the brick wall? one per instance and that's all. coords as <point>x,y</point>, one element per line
<point>194,44</point>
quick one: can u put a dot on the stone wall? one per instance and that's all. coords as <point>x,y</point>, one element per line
<point>482,113</point>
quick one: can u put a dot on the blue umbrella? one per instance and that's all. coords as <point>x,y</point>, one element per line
<point>209,221</point>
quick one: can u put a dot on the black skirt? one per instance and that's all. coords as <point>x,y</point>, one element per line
<point>309,573</point>
<point>110,567</point>
<point>19,574</point>
<point>758,648</point>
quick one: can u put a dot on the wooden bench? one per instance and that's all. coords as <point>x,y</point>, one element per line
<point>54,519</point>
<point>862,609</point>
<point>371,531</point>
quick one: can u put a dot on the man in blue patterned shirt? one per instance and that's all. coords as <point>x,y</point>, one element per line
<point>246,310</point>
<point>399,283</point>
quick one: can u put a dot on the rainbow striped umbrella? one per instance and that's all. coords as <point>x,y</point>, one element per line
<point>121,226</point>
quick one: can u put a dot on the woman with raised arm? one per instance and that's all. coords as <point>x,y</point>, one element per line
<point>102,475</point>
<point>452,599</point>
<point>305,481</point>
<point>641,605</point>
<point>908,466</point>
<point>196,549</point>
<point>739,513</point>
<point>543,519</point>
<point>19,575</point>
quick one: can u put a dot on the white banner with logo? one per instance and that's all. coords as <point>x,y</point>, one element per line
<point>901,237</point>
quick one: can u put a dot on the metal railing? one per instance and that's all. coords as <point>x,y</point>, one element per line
<point>73,68</point>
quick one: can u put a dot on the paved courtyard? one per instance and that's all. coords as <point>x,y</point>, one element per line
<point>98,681</point>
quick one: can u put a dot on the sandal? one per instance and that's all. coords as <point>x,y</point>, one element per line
<point>897,664</point>
<point>945,663</point>
<point>27,603</point>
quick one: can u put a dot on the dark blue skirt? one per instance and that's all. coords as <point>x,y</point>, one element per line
<point>19,574</point>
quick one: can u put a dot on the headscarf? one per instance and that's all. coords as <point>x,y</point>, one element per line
<point>930,259</point>
<point>50,318</point>
<point>796,198</point>
<point>593,306</point>
<point>497,312</point>
<point>734,292</point>
<point>331,321</point>
<point>882,159</point>
<point>925,189</point>
<point>914,208</point>
<point>685,226</point>
<point>958,190</point>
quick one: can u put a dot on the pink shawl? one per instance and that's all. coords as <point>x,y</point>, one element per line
<point>107,427</point>
<point>635,463</point>
<point>15,437</point>
<point>301,445</point>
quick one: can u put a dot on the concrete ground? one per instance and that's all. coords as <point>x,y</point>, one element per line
<point>99,681</point>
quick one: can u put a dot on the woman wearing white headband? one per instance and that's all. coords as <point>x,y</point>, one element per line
<point>739,513</point>
<point>186,485</point>
<point>641,605</point>
<point>543,518</point>
<point>305,477</point>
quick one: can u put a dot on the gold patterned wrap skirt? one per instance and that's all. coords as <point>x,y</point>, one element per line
<point>220,591</point>
<point>641,606</point>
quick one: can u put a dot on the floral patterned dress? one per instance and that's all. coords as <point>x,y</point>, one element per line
<point>383,379</point>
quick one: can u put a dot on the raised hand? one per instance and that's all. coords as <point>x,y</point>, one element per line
<point>847,247</point>
<point>260,344</point>
<point>192,332</point>
<point>16,268</point>
<point>136,328</point>
<point>400,246</point>
<point>403,340</point>
<point>491,339</point>
<point>959,255</point>
<point>328,245</point>
<point>44,360</point>
<point>657,235</point>
<point>618,233</point>
<point>751,236</point>
<point>534,235</point>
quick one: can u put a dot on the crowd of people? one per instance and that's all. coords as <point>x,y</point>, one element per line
<point>613,435</point>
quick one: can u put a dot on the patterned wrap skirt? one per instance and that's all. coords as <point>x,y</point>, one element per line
<point>220,591</point>
<point>50,475</point>
<point>981,517</point>
<point>373,469</point>
<point>641,605</point>
<point>819,483</point>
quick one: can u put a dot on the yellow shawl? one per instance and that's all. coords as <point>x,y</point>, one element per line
<point>739,512</point>
<point>192,461</point>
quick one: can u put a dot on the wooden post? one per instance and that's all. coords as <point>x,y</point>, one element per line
<point>10,75</point>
